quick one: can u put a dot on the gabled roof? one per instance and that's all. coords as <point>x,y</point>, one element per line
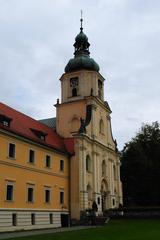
<point>50,122</point>
<point>23,125</point>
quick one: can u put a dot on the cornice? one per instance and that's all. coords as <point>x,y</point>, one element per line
<point>29,141</point>
<point>35,209</point>
<point>2,162</point>
<point>86,137</point>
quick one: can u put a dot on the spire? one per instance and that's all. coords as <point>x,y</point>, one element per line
<point>81,41</point>
<point>81,58</point>
<point>81,20</point>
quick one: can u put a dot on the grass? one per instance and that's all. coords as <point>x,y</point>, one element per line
<point>114,230</point>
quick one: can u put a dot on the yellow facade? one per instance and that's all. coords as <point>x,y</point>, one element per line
<point>22,174</point>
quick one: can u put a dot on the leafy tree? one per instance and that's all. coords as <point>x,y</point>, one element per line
<point>140,170</point>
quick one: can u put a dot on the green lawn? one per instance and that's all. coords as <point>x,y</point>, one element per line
<point>115,229</point>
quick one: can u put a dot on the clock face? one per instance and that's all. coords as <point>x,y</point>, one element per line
<point>74,82</point>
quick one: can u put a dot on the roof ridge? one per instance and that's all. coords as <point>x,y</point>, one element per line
<point>46,119</point>
<point>17,111</point>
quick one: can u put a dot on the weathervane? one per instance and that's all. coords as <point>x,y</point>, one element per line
<point>81,21</point>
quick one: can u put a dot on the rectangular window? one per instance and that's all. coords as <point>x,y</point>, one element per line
<point>48,161</point>
<point>9,193</point>
<point>51,218</point>
<point>14,219</point>
<point>47,196</point>
<point>100,88</point>
<point>33,218</point>
<point>12,150</point>
<point>31,156</point>
<point>61,197</point>
<point>30,194</point>
<point>61,165</point>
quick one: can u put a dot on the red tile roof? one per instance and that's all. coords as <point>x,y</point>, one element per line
<point>69,144</point>
<point>23,125</point>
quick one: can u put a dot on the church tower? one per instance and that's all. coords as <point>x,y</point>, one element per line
<point>84,116</point>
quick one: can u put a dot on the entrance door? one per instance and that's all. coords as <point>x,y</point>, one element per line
<point>103,197</point>
<point>104,194</point>
<point>64,220</point>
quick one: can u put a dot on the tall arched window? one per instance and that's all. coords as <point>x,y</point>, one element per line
<point>103,168</point>
<point>74,92</point>
<point>88,164</point>
<point>114,172</point>
<point>89,191</point>
<point>101,126</point>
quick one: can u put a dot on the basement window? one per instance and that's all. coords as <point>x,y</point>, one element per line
<point>33,219</point>
<point>14,219</point>
<point>51,218</point>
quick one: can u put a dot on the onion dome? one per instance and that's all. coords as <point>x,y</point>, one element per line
<point>81,58</point>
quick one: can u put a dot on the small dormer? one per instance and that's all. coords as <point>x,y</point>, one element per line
<point>41,135</point>
<point>5,121</point>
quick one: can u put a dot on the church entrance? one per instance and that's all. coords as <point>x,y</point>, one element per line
<point>104,195</point>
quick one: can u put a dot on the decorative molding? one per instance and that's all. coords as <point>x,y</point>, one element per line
<point>93,136</point>
<point>32,209</point>
<point>94,107</point>
<point>82,148</point>
<point>97,143</point>
<point>95,153</point>
<point>108,117</point>
<point>32,169</point>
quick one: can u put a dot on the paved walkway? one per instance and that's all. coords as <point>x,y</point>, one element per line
<point>41,231</point>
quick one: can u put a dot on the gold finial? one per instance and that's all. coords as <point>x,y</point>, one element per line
<point>81,28</point>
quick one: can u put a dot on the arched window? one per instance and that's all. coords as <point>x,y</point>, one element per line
<point>103,168</point>
<point>74,92</point>
<point>88,164</point>
<point>114,172</point>
<point>101,126</point>
<point>89,191</point>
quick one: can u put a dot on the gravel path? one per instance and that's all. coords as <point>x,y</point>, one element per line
<point>41,231</point>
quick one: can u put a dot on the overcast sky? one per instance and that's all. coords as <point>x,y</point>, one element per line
<point>36,42</point>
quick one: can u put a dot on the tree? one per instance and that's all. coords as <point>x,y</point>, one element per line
<point>140,168</point>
